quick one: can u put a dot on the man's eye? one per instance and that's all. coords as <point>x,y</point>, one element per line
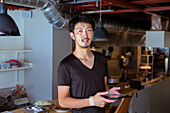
<point>89,30</point>
<point>80,31</point>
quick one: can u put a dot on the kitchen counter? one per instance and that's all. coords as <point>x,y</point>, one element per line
<point>50,109</point>
<point>21,111</point>
<point>108,110</point>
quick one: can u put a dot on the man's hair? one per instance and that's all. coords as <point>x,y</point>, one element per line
<point>80,18</point>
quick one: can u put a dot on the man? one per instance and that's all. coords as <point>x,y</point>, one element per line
<point>82,75</point>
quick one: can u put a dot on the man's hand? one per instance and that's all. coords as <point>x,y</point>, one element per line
<point>114,90</point>
<point>101,101</point>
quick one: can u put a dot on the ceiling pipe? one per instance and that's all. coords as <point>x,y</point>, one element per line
<point>59,19</point>
<point>49,8</point>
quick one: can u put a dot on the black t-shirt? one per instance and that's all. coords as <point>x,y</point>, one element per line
<point>83,81</point>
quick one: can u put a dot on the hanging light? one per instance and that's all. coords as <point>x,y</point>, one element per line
<point>100,33</point>
<point>7,24</point>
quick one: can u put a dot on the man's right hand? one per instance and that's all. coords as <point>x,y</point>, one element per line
<point>101,101</point>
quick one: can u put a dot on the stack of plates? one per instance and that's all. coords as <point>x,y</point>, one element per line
<point>14,63</point>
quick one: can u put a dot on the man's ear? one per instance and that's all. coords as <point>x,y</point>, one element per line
<point>72,35</point>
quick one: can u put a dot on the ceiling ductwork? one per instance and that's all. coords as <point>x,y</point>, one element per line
<point>48,7</point>
<point>59,19</point>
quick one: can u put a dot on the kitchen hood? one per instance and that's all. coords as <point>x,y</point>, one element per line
<point>157,39</point>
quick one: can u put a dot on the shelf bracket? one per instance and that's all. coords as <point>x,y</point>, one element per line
<point>16,76</point>
<point>16,55</point>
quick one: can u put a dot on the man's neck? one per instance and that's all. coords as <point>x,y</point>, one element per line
<point>83,53</point>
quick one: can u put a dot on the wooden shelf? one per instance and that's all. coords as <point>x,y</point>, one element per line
<point>17,68</point>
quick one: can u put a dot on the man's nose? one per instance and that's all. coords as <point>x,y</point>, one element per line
<point>85,33</point>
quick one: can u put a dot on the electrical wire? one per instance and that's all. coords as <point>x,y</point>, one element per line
<point>100,11</point>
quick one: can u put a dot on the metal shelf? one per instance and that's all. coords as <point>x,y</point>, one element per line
<point>10,37</point>
<point>16,57</point>
<point>15,50</point>
<point>17,68</point>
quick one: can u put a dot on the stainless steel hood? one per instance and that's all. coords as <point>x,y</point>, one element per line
<point>157,39</point>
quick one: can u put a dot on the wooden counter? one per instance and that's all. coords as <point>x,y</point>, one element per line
<point>122,108</point>
<point>50,111</point>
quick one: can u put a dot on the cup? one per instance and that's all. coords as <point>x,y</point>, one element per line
<point>2,65</point>
<point>7,65</point>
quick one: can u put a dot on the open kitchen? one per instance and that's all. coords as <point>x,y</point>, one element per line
<point>137,52</point>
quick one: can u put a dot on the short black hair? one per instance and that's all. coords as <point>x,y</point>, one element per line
<point>80,18</point>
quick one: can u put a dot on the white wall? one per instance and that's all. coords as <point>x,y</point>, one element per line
<point>49,46</point>
<point>8,79</point>
<point>38,37</point>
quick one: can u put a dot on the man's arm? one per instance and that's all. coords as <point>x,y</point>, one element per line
<point>106,85</point>
<point>67,102</point>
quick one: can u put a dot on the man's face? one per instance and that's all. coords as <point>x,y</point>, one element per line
<point>83,34</point>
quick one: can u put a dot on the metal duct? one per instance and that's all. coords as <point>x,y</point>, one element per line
<point>48,7</point>
<point>114,25</point>
<point>53,15</point>
<point>59,19</point>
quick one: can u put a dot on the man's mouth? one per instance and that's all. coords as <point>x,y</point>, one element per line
<point>85,39</point>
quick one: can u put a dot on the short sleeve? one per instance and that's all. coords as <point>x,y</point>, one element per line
<point>106,68</point>
<point>63,76</point>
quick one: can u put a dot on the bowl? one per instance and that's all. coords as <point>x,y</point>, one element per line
<point>45,103</point>
<point>60,109</point>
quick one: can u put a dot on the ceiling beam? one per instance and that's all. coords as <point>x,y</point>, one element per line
<point>14,7</point>
<point>164,8</point>
<point>132,6</point>
<point>126,4</point>
<point>133,17</point>
<point>149,1</point>
<point>94,5</point>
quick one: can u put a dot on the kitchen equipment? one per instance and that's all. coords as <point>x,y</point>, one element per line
<point>109,51</point>
<point>113,80</point>
<point>36,109</point>
<point>136,83</point>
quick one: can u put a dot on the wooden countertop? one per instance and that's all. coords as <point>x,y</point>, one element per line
<point>120,108</point>
<point>50,109</point>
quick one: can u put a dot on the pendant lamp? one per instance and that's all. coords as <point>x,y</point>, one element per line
<point>100,33</point>
<point>8,26</point>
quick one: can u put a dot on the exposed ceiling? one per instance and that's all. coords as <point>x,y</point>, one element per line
<point>127,11</point>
